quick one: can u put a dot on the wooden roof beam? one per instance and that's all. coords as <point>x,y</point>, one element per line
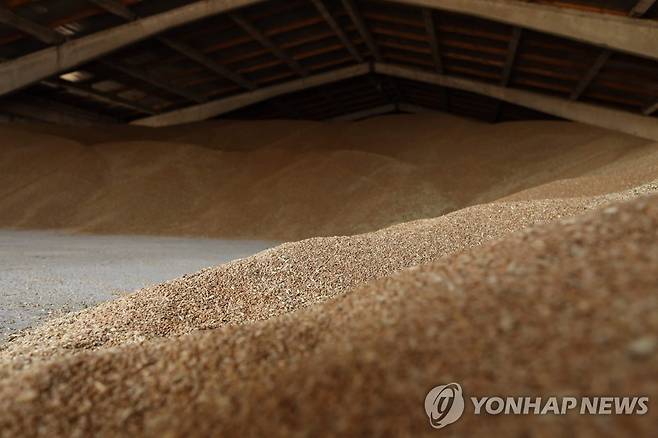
<point>629,35</point>
<point>202,59</point>
<point>222,106</point>
<point>430,28</point>
<point>42,33</point>
<point>355,14</point>
<point>269,44</point>
<point>641,8</point>
<point>429,20</point>
<point>512,50</point>
<point>28,69</point>
<point>90,93</point>
<point>340,33</point>
<point>119,9</point>
<point>606,118</point>
<point>626,34</point>
<point>591,74</point>
<point>153,81</point>
<point>603,117</point>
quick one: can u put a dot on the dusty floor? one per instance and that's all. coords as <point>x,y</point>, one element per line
<point>43,274</point>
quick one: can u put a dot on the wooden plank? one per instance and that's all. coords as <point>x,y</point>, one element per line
<point>221,106</point>
<point>200,58</point>
<point>512,50</point>
<point>625,34</point>
<point>28,69</point>
<point>591,73</point>
<point>80,15</point>
<point>119,9</point>
<point>430,28</point>
<point>641,8</point>
<point>269,44</point>
<point>355,14</point>
<point>622,121</point>
<point>90,93</point>
<point>152,80</point>
<point>340,33</point>
<point>42,33</point>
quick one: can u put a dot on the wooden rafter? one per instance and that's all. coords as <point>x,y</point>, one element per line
<point>224,105</point>
<point>355,14</point>
<point>586,113</point>
<point>606,118</point>
<point>430,28</point>
<point>42,33</point>
<point>152,80</point>
<point>119,9</point>
<point>268,43</point>
<point>641,8</point>
<point>210,64</point>
<point>338,30</point>
<point>591,74</point>
<point>622,34</point>
<point>88,92</point>
<point>512,50</point>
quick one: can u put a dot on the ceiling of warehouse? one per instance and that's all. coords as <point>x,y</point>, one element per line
<point>277,41</point>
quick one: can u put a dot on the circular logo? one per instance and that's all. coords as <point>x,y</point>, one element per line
<point>444,405</point>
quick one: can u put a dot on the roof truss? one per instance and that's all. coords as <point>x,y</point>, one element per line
<point>267,47</point>
<point>606,118</point>
<point>619,33</point>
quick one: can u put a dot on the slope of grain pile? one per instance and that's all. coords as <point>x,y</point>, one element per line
<point>284,279</point>
<point>563,308</point>
<point>539,282</point>
<point>288,180</point>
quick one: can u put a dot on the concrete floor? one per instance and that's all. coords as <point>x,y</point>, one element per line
<point>43,274</point>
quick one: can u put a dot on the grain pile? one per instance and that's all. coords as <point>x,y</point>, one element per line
<point>284,279</point>
<point>545,285</point>
<point>288,180</point>
<point>564,308</point>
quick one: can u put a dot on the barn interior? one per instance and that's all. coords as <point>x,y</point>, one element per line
<point>328,217</point>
